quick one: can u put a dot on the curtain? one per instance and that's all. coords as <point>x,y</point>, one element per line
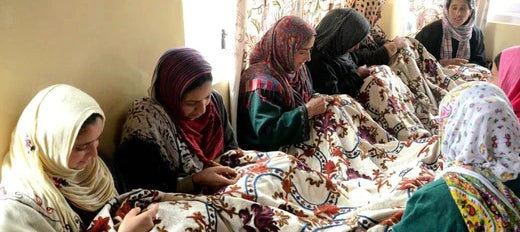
<point>482,9</point>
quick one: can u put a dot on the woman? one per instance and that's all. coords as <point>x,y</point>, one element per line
<point>174,135</point>
<point>275,100</point>
<point>509,74</point>
<point>52,178</point>
<point>376,48</point>
<point>387,99</point>
<point>480,140</point>
<point>454,39</point>
<point>333,69</point>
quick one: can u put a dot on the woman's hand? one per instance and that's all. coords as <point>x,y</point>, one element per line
<point>400,42</point>
<point>317,104</point>
<point>363,72</point>
<point>215,177</point>
<point>393,46</point>
<point>454,61</point>
<point>135,221</point>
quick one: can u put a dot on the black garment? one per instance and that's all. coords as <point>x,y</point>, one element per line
<point>334,75</point>
<point>431,37</point>
<point>372,50</point>
<point>369,57</point>
<point>141,165</point>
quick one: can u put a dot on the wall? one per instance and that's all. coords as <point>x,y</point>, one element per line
<point>106,48</point>
<point>499,36</point>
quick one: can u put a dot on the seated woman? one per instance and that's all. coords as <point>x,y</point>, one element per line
<point>376,48</point>
<point>480,140</point>
<point>333,70</point>
<point>175,134</point>
<point>275,99</point>
<point>454,39</point>
<point>506,68</point>
<point>52,178</point>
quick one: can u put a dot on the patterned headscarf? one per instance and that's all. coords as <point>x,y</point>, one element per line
<point>340,30</point>
<point>176,70</point>
<point>461,33</point>
<point>509,76</point>
<point>478,128</point>
<point>37,162</point>
<point>276,50</point>
<point>371,9</point>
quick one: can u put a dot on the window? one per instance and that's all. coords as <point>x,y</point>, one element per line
<point>504,11</point>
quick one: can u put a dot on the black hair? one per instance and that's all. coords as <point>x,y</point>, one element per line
<point>90,120</point>
<point>199,82</point>
<point>497,60</point>
<point>448,3</point>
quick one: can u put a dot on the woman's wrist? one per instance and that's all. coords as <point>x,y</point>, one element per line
<point>391,48</point>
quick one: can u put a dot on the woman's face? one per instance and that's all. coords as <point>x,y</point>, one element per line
<point>303,54</point>
<point>459,12</point>
<point>494,75</point>
<point>194,102</point>
<point>86,144</point>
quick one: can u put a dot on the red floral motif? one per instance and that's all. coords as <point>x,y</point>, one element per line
<point>100,225</point>
<point>326,211</point>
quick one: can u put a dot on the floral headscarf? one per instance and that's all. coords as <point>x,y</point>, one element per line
<point>37,162</point>
<point>479,128</point>
<point>371,9</point>
<point>276,50</point>
<point>509,76</point>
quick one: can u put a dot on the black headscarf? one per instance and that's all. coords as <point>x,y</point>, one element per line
<point>340,30</point>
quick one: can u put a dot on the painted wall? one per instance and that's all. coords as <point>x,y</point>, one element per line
<point>106,48</point>
<point>499,36</point>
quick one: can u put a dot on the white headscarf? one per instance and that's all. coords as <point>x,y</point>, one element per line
<point>479,128</point>
<point>40,148</point>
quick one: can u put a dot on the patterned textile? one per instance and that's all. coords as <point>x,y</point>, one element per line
<point>464,73</point>
<point>38,189</point>
<point>475,109</point>
<point>176,70</point>
<point>509,76</point>
<point>480,164</point>
<point>276,52</point>
<point>461,33</point>
<point>391,103</point>
<point>338,180</point>
<point>481,197</point>
<point>371,9</point>
<point>425,78</point>
<point>148,121</point>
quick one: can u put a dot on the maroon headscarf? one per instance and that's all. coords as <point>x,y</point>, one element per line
<point>276,51</point>
<point>176,70</point>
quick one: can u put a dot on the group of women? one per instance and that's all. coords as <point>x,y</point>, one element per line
<point>339,139</point>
